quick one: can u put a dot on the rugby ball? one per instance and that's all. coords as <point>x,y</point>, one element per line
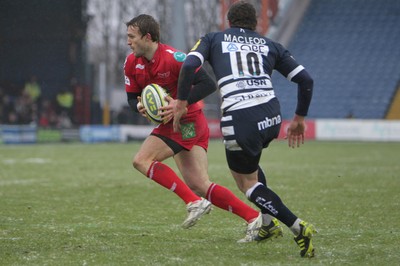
<point>153,97</point>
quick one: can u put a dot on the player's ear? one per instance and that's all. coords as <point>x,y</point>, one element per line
<point>147,36</point>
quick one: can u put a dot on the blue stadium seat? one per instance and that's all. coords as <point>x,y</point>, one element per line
<point>351,48</point>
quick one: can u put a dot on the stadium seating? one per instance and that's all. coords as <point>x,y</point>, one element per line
<point>351,48</point>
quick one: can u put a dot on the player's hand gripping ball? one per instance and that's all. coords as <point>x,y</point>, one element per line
<point>153,97</point>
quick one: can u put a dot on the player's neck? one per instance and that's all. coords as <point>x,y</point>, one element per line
<point>151,51</point>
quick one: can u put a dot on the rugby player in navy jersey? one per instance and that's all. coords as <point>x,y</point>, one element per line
<point>154,62</point>
<point>243,62</point>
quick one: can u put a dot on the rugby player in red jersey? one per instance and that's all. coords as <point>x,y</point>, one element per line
<point>154,62</point>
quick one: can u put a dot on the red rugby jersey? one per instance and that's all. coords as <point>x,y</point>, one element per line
<point>163,70</point>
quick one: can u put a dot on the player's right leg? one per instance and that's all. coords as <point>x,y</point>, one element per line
<point>152,149</point>
<point>269,231</point>
<point>268,200</point>
<point>193,165</point>
<point>304,238</point>
<point>148,161</point>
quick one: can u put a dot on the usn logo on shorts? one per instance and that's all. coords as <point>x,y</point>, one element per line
<point>269,122</point>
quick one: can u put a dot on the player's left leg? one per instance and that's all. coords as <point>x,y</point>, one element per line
<point>148,161</point>
<point>193,165</point>
<point>271,227</point>
<point>269,201</point>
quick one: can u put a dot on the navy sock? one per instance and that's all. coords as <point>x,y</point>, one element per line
<point>263,180</point>
<point>261,176</point>
<point>269,202</point>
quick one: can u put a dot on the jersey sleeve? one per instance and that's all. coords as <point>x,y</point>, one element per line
<point>130,83</point>
<point>286,64</point>
<point>201,48</point>
<point>293,71</point>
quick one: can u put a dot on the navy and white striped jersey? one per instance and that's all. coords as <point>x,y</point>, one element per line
<point>243,61</point>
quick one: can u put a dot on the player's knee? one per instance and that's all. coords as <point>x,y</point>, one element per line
<point>135,164</point>
<point>138,163</point>
<point>241,162</point>
<point>199,188</point>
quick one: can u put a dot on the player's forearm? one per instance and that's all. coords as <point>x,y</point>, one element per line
<point>203,85</point>
<point>304,92</point>
<point>132,101</point>
<point>187,76</point>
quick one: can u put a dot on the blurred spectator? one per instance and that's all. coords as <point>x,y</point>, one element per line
<point>8,111</point>
<point>12,118</point>
<point>44,120</point>
<point>32,88</point>
<point>9,93</point>
<point>23,105</point>
<point>65,102</point>
<point>64,121</point>
<point>24,108</point>
<point>48,116</point>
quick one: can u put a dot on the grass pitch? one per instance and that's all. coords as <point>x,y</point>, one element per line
<point>84,204</point>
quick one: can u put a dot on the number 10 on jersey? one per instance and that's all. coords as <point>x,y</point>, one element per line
<point>246,64</point>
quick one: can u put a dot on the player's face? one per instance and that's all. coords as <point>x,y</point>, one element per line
<point>136,41</point>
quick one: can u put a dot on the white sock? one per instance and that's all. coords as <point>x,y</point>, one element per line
<point>250,190</point>
<point>295,228</point>
<point>266,219</point>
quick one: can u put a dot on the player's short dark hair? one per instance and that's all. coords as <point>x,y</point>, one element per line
<point>242,15</point>
<point>146,24</point>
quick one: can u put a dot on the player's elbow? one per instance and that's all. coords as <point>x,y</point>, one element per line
<point>309,82</point>
<point>211,85</point>
<point>305,81</point>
